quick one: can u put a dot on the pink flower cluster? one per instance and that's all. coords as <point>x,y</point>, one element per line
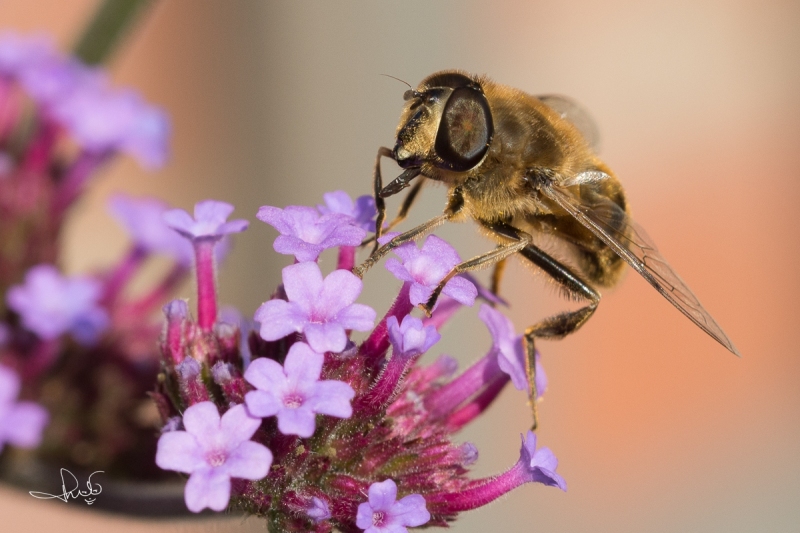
<point>299,423</point>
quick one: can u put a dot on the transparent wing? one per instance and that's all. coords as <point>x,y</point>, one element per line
<point>610,224</point>
<point>573,112</point>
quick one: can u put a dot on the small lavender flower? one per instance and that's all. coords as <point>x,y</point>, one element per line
<point>411,338</point>
<point>294,393</point>
<point>320,309</point>
<point>204,231</point>
<point>362,211</point>
<point>318,510</point>
<point>383,513</point>
<point>51,305</point>
<point>424,268</point>
<point>21,423</point>
<point>213,450</point>
<point>209,221</point>
<point>510,350</point>
<point>305,234</point>
<point>540,465</point>
<point>143,219</point>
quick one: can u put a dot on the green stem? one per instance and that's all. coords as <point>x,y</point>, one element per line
<point>106,29</point>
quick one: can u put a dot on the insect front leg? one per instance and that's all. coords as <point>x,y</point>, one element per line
<point>377,185</point>
<point>401,215</point>
<point>455,204</point>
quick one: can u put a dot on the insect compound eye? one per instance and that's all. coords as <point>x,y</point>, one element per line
<point>465,130</point>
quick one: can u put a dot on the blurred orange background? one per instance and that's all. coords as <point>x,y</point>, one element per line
<point>657,428</point>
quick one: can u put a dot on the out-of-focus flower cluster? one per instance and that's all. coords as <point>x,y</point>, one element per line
<point>80,351</point>
<point>288,417</point>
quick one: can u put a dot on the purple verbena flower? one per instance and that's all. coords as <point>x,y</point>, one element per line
<point>383,513</point>
<point>362,211</point>
<point>411,338</point>
<point>143,219</point>
<point>425,267</point>
<point>18,52</point>
<point>510,350</point>
<point>21,423</point>
<point>305,233</point>
<point>213,450</point>
<point>294,393</point>
<point>318,510</point>
<point>541,464</point>
<point>209,221</point>
<point>320,309</point>
<point>51,305</point>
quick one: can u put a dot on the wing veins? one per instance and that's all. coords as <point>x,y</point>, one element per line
<point>636,248</point>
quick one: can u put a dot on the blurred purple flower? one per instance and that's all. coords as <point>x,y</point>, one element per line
<point>321,309</point>
<point>540,465</point>
<point>294,393</point>
<point>510,350</point>
<point>209,221</point>
<point>410,337</point>
<point>18,52</point>
<point>21,423</point>
<point>362,211</point>
<point>143,219</point>
<point>213,450</point>
<point>426,267</point>
<point>384,514</point>
<point>305,233</point>
<point>51,305</point>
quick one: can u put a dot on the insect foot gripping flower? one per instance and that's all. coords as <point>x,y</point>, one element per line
<point>213,450</point>
<point>361,434</point>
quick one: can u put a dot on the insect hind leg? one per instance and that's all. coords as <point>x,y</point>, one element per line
<point>558,326</point>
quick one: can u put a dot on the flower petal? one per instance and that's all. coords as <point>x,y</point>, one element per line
<point>303,365</point>
<point>208,488</point>
<point>323,338</point>
<point>332,398</point>
<point>278,319</point>
<point>300,421</point>
<point>263,403</point>
<point>250,460</point>
<point>411,511</point>
<point>303,284</point>
<point>382,495</point>
<point>179,451</point>
<point>238,426</point>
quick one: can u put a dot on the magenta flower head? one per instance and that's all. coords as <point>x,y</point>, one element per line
<point>383,513</point>
<point>321,309</point>
<point>356,422</point>
<point>362,211</point>
<point>213,450</point>
<point>294,393</point>
<point>209,221</point>
<point>51,305</point>
<point>305,234</point>
<point>21,423</point>
<point>425,267</point>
